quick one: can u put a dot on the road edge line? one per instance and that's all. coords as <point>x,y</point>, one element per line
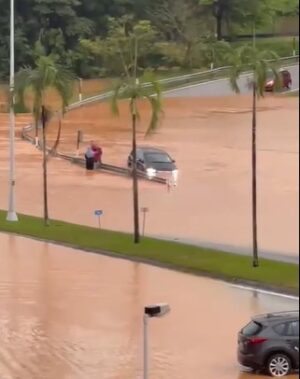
<point>264,292</point>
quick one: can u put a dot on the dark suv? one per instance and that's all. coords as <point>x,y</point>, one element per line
<point>155,163</point>
<point>271,343</point>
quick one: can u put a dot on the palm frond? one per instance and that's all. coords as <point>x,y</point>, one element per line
<point>116,97</point>
<point>63,83</point>
<point>22,84</point>
<point>156,112</point>
<point>58,137</point>
<point>249,58</point>
<point>234,57</point>
<point>261,76</point>
<point>278,79</point>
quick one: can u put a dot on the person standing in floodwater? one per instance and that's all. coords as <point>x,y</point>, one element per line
<point>90,158</point>
<point>97,153</point>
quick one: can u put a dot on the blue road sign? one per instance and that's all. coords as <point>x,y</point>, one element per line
<point>99,213</point>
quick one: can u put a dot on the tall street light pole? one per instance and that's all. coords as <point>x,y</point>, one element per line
<point>254,163</point>
<point>151,311</point>
<point>11,214</point>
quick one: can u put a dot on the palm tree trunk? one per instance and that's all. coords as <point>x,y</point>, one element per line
<point>219,28</point>
<point>254,179</point>
<point>45,175</point>
<point>135,182</point>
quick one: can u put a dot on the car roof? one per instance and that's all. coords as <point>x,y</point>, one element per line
<point>149,149</point>
<point>277,316</point>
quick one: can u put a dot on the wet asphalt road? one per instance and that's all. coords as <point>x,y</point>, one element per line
<point>221,87</point>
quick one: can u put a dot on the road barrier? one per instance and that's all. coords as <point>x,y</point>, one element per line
<point>183,80</point>
<point>106,168</point>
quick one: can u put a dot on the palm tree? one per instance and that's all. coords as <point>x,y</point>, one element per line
<point>130,87</point>
<point>260,63</point>
<point>35,82</point>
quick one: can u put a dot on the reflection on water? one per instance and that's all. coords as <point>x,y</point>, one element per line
<point>70,315</point>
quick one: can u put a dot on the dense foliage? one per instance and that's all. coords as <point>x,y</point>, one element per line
<point>81,33</point>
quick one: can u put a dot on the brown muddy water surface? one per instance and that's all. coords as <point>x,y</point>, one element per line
<point>210,140</point>
<point>70,315</point>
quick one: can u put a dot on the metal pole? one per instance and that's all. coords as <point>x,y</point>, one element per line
<point>11,215</point>
<point>145,347</point>
<point>80,89</point>
<point>144,223</point>
<point>254,164</point>
<point>78,142</point>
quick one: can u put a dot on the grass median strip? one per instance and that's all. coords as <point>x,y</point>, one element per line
<point>217,264</point>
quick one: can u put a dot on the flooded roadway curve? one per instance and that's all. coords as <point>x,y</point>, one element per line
<point>69,315</point>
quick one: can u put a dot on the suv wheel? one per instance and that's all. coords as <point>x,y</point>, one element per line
<point>279,365</point>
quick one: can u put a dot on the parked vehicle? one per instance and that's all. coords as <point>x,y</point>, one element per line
<point>285,81</point>
<point>271,343</point>
<point>155,163</point>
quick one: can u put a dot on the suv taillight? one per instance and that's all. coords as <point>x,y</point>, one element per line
<point>257,341</point>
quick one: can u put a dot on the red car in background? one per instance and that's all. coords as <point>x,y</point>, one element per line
<point>285,81</point>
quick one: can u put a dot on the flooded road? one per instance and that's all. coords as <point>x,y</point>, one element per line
<point>211,142</point>
<point>69,315</point>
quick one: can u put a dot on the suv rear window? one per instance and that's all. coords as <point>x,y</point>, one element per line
<point>293,329</point>
<point>288,329</point>
<point>252,329</point>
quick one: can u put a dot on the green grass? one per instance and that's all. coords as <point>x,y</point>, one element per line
<point>186,258</point>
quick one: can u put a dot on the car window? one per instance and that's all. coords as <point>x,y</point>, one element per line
<point>290,329</point>
<point>280,329</point>
<point>252,329</point>
<point>139,155</point>
<point>158,158</point>
<point>293,329</point>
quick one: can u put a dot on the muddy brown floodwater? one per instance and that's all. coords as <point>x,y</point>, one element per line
<point>71,315</point>
<point>210,140</point>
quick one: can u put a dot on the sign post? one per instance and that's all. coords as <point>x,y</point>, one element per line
<point>144,210</point>
<point>79,140</point>
<point>99,213</point>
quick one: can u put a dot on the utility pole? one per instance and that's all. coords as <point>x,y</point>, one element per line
<point>11,214</point>
<point>254,163</point>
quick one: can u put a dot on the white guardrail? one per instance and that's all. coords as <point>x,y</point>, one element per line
<point>179,80</point>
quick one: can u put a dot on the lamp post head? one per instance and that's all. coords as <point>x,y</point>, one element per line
<point>157,310</point>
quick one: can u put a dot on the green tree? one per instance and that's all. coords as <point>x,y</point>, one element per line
<point>181,21</point>
<point>132,88</point>
<point>260,64</point>
<point>285,7</point>
<point>239,12</point>
<point>114,53</point>
<point>35,82</point>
